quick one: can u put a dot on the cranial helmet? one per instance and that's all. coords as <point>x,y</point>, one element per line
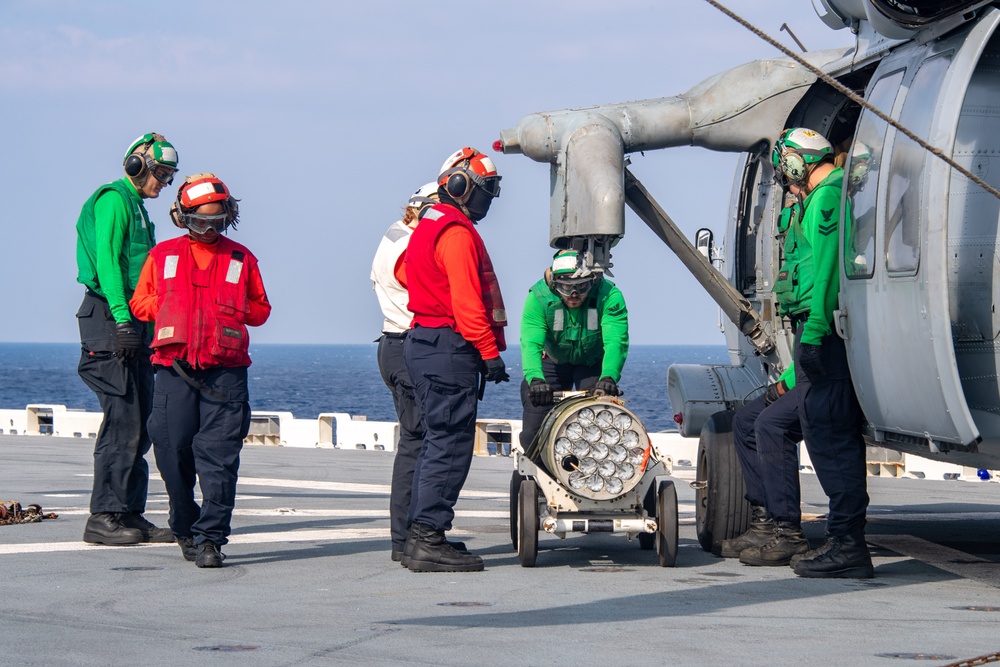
<point>464,171</point>
<point>567,276</point>
<point>861,157</point>
<point>198,190</point>
<point>151,154</point>
<point>427,194</point>
<point>795,151</point>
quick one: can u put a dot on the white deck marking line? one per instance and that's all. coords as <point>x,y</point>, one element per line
<point>941,557</point>
<point>350,487</point>
<point>331,535</point>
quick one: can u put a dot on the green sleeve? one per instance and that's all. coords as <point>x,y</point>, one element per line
<point>820,223</point>
<point>614,331</point>
<point>532,338</point>
<point>788,377</point>
<point>110,235</point>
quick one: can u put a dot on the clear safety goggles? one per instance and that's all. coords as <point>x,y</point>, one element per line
<point>573,287</point>
<point>163,174</point>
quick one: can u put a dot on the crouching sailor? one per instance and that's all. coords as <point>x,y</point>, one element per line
<point>202,290</point>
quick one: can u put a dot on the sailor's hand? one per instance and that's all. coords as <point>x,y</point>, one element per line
<point>774,392</point>
<point>496,370</point>
<point>128,340</point>
<point>811,360</point>
<point>606,387</point>
<point>540,393</point>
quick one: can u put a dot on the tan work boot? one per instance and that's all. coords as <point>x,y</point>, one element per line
<point>761,530</point>
<point>787,541</point>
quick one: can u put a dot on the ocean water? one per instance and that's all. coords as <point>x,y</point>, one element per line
<point>307,380</point>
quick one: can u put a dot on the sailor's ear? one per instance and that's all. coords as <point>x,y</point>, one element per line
<point>548,276</point>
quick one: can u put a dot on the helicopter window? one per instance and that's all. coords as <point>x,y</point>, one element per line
<point>903,210</point>
<point>862,179</point>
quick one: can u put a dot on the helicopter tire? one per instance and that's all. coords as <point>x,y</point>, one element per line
<point>721,511</point>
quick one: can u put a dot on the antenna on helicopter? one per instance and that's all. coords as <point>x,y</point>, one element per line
<point>784,26</point>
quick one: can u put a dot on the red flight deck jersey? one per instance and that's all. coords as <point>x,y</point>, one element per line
<point>451,280</point>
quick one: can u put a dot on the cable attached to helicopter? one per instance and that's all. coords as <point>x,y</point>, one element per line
<point>854,97</point>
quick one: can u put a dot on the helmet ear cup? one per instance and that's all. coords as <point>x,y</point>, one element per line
<point>793,166</point>
<point>459,186</point>
<point>134,165</point>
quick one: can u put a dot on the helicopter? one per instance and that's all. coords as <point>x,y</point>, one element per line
<point>913,106</point>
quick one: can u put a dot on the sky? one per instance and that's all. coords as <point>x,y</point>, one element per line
<point>323,117</point>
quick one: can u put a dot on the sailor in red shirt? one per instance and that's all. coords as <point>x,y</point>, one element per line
<point>202,290</point>
<point>458,320</point>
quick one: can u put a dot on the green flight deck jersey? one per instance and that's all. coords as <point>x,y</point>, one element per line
<point>114,236</point>
<point>596,331</point>
<point>808,283</point>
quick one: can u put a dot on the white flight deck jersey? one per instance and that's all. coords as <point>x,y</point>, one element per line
<point>392,296</point>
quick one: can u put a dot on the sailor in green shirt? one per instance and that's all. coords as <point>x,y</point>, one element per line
<point>807,291</point>
<point>114,235</point>
<point>574,335</point>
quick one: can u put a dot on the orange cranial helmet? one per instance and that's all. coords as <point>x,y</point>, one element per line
<point>465,170</point>
<point>198,190</point>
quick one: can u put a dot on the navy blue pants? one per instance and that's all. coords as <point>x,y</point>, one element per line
<point>125,392</point>
<point>766,440</point>
<point>445,371</point>
<point>198,435</point>
<point>831,423</point>
<point>411,434</point>
<point>561,377</point>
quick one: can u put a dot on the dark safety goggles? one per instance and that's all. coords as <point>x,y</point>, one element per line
<point>576,286</point>
<point>199,224</point>
<point>490,184</point>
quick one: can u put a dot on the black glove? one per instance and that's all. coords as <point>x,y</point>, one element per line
<point>496,370</point>
<point>811,361</point>
<point>128,340</point>
<point>606,387</point>
<point>774,392</point>
<point>540,392</point>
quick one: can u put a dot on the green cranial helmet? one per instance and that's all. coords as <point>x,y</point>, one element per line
<point>568,277</point>
<point>795,151</point>
<point>151,154</point>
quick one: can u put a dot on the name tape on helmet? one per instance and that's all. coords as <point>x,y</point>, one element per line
<point>199,190</point>
<point>564,264</point>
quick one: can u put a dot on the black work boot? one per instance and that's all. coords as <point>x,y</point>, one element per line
<point>188,548</point>
<point>150,533</point>
<point>107,528</point>
<point>787,541</point>
<point>842,557</point>
<point>208,555</point>
<point>812,553</point>
<point>432,553</point>
<point>761,530</point>
<point>404,555</point>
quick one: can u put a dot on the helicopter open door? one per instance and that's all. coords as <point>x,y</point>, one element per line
<point>919,278</point>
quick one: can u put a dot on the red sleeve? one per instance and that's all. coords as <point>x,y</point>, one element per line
<point>400,269</point>
<point>455,253</point>
<point>260,307</point>
<point>144,302</point>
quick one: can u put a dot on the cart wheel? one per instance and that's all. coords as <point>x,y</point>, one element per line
<point>666,523</point>
<point>515,487</point>
<point>647,541</point>
<point>527,511</point>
